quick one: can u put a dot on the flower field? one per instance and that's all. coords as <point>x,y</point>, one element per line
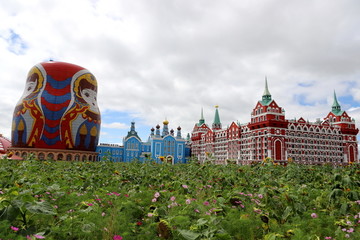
<point>106,200</point>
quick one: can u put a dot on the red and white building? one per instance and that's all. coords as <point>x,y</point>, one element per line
<point>269,134</point>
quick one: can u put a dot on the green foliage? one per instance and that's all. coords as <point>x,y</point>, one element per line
<point>100,200</point>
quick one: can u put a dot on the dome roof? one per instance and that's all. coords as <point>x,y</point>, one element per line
<point>4,144</point>
<point>58,109</point>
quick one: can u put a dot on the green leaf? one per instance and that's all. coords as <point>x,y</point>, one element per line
<point>286,213</point>
<point>40,208</point>
<point>189,235</point>
<point>201,222</point>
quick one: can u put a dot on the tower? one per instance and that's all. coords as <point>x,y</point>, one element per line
<point>216,124</point>
<point>336,108</point>
<point>266,97</point>
<point>201,120</point>
<point>165,128</point>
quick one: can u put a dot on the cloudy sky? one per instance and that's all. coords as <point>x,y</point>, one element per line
<point>157,59</point>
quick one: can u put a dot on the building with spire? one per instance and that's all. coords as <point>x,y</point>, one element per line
<point>269,134</point>
<point>161,146</point>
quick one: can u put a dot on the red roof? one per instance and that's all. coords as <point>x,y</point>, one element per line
<point>4,144</point>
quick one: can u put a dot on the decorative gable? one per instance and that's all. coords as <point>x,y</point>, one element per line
<point>325,123</point>
<point>301,120</point>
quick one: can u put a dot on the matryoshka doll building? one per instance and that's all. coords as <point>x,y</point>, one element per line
<point>57,117</point>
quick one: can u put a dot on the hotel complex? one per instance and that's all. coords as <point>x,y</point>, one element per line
<point>270,134</point>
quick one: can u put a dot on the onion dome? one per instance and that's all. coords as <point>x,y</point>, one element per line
<point>172,130</point>
<point>152,129</point>
<point>158,126</point>
<point>166,122</point>
<point>179,128</point>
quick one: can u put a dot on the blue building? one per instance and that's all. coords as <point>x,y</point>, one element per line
<point>160,146</point>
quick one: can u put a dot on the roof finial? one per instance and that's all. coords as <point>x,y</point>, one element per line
<point>336,106</point>
<point>216,124</point>
<point>266,97</point>
<point>266,91</point>
<point>201,120</point>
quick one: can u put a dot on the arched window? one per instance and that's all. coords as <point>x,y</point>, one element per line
<point>41,156</point>
<point>278,149</point>
<point>351,154</point>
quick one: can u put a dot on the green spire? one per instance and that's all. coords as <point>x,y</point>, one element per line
<point>216,124</point>
<point>202,120</point>
<point>336,108</point>
<point>266,97</point>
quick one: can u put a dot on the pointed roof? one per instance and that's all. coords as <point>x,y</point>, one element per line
<point>336,108</point>
<point>201,120</point>
<point>266,97</point>
<point>217,116</point>
<point>216,123</point>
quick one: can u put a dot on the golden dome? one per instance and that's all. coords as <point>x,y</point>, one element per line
<point>166,122</point>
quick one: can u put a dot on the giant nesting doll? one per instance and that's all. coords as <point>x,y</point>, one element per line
<point>58,109</point>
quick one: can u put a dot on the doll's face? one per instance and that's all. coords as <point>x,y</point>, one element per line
<point>30,87</point>
<point>89,96</point>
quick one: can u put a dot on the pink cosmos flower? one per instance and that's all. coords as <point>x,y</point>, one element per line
<point>347,235</point>
<point>117,237</point>
<point>157,194</point>
<point>55,206</point>
<point>206,203</point>
<point>314,215</point>
<point>196,210</point>
<point>150,214</point>
<point>328,237</point>
<point>90,204</point>
<point>260,196</point>
<point>188,201</point>
<point>14,228</point>
<point>184,186</point>
<point>172,198</point>
<point>350,230</point>
<point>103,214</point>
<point>154,200</point>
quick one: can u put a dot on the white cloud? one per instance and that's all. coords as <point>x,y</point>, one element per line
<point>168,59</point>
<point>117,125</point>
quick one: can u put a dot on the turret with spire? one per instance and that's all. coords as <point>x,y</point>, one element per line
<point>201,120</point>
<point>216,124</point>
<point>266,97</point>
<point>336,108</point>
